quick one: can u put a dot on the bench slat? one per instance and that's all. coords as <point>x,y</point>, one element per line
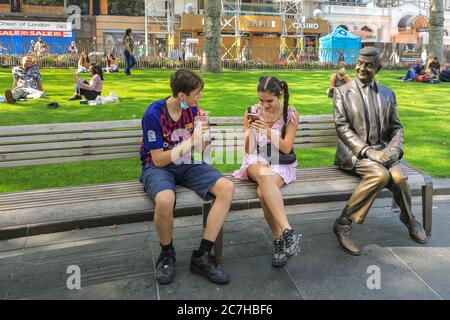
<point>303,175</point>
<point>237,140</point>
<point>69,136</point>
<point>318,173</point>
<point>315,145</point>
<point>302,127</point>
<point>66,159</point>
<point>240,120</point>
<point>229,135</point>
<point>246,191</point>
<point>66,152</point>
<point>70,144</point>
<point>315,126</point>
<point>68,127</point>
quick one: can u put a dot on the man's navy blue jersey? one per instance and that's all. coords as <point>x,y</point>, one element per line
<point>160,131</point>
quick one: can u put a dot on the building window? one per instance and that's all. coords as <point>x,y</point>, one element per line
<point>396,3</point>
<point>83,4</point>
<point>15,5</point>
<point>133,8</point>
<point>345,2</point>
<point>184,36</point>
<point>56,3</point>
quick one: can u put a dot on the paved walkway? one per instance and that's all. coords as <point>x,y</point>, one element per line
<point>118,263</point>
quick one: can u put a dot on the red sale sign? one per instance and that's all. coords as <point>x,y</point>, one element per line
<point>34,33</point>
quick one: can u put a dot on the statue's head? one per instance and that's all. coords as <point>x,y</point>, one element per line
<point>368,64</point>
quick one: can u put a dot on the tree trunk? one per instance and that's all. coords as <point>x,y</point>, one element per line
<point>212,61</point>
<point>436,39</point>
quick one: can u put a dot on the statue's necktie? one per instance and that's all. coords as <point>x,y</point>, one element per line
<point>373,130</point>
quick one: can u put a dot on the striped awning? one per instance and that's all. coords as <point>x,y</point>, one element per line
<point>420,23</point>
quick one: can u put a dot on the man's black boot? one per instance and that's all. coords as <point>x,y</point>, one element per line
<point>205,263</point>
<point>165,267</point>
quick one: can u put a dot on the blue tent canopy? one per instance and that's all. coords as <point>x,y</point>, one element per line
<point>339,44</point>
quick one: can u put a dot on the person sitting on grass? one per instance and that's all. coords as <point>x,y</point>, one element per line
<point>426,76</point>
<point>337,79</point>
<point>416,70</point>
<point>83,63</point>
<point>111,64</point>
<point>444,74</point>
<point>41,47</point>
<point>27,82</point>
<point>73,50</point>
<point>90,90</point>
<point>434,65</point>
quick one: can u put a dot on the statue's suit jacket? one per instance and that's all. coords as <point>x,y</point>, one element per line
<point>351,125</point>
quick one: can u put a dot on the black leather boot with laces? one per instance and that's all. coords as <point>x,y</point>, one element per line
<point>207,265</point>
<point>165,267</point>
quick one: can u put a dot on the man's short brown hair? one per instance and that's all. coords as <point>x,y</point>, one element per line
<point>185,81</point>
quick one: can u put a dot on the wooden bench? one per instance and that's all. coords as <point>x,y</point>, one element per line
<point>60,209</point>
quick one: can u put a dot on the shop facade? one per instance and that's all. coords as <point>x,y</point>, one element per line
<point>260,36</point>
<point>405,24</point>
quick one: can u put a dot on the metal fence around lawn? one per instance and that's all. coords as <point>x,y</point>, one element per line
<point>192,57</point>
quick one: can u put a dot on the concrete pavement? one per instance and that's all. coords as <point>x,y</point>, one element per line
<point>118,262</point>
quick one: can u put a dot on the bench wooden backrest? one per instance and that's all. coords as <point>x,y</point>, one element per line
<point>314,132</point>
<point>70,142</point>
<point>28,145</point>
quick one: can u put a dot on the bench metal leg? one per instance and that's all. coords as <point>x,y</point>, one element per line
<point>427,207</point>
<point>218,244</point>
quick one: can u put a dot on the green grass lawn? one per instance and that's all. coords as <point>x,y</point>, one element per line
<point>423,108</point>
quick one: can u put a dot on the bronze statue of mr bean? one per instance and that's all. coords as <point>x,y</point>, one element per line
<point>371,145</point>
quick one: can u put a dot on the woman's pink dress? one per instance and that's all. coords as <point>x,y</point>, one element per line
<point>286,171</point>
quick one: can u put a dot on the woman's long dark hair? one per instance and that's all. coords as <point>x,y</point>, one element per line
<point>84,57</point>
<point>96,69</point>
<point>127,33</point>
<point>109,57</point>
<point>276,87</point>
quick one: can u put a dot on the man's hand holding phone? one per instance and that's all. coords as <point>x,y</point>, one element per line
<point>201,132</point>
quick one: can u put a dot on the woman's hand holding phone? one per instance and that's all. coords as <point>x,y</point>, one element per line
<point>252,117</point>
<point>260,126</point>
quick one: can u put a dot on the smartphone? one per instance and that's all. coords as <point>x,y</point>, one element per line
<point>252,116</point>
